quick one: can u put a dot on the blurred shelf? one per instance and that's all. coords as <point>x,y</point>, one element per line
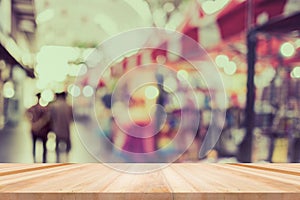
<point>177,181</point>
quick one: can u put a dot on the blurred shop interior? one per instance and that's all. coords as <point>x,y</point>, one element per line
<point>254,45</point>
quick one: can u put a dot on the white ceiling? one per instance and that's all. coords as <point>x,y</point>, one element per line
<point>89,22</point>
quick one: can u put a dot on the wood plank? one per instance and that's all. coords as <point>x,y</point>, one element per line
<point>14,169</point>
<point>215,178</point>
<point>292,178</point>
<point>288,168</point>
<point>177,181</point>
<point>14,178</point>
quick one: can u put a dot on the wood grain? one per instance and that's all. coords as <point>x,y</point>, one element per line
<point>177,181</point>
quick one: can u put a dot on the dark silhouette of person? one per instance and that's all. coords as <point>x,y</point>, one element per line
<point>40,125</point>
<point>61,116</point>
<point>161,100</point>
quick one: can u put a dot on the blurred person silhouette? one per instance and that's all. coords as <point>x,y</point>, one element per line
<point>61,116</point>
<point>294,131</point>
<point>40,125</point>
<point>286,124</point>
<point>278,128</point>
<point>211,147</point>
<point>159,112</point>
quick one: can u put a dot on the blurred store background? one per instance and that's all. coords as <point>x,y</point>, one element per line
<point>254,44</point>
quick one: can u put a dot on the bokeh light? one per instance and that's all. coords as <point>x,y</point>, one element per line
<point>221,60</point>
<point>151,92</point>
<point>47,95</point>
<point>8,89</point>
<point>287,49</point>
<point>88,91</point>
<point>230,68</point>
<point>295,73</point>
<point>74,90</point>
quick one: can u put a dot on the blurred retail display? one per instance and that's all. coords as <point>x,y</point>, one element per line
<point>252,46</point>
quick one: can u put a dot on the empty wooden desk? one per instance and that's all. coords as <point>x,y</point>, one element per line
<point>177,181</point>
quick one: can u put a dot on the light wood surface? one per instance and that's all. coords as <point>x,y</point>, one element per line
<point>176,181</point>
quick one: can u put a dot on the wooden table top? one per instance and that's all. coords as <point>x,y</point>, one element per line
<point>176,181</point>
